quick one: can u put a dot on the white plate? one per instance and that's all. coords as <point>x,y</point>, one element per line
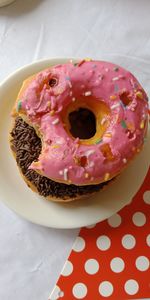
<point>15,193</point>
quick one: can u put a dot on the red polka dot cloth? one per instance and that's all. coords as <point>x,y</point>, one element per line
<point>111,260</point>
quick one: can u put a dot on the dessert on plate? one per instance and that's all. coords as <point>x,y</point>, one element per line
<point>76,126</point>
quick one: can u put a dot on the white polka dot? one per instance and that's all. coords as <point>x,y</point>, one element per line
<point>128,241</point>
<point>106,288</point>
<point>131,287</point>
<point>114,221</point>
<point>91,266</point>
<point>148,240</point>
<point>146,197</point>
<point>79,244</point>
<point>55,293</point>
<point>139,219</point>
<point>142,263</point>
<point>79,290</point>
<point>91,226</point>
<point>68,268</point>
<point>103,242</point>
<point>117,264</point>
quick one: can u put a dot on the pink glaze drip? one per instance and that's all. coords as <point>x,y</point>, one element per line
<point>102,80</point>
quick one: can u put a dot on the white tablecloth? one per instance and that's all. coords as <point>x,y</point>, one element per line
<point>31,257</point>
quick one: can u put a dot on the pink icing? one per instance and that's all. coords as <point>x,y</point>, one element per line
<point>101,80</point>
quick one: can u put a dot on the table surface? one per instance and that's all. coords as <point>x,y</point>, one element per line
<point>31,256</point>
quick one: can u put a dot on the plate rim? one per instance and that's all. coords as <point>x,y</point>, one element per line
<point>52,60</point>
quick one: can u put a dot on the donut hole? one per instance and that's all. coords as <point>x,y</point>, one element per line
<point>82,123</point>
<point>52,82</point>
<point>125,98</point>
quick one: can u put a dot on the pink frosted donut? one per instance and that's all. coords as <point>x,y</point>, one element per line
<point>50,102</point>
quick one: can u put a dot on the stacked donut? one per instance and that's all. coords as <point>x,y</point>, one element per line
<point>77,126</point>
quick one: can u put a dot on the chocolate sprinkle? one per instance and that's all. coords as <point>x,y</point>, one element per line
<point>27,147</point>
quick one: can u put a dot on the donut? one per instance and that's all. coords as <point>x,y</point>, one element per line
<point>89,120</point>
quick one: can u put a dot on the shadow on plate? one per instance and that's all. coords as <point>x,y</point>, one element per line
<point>18,8</point>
